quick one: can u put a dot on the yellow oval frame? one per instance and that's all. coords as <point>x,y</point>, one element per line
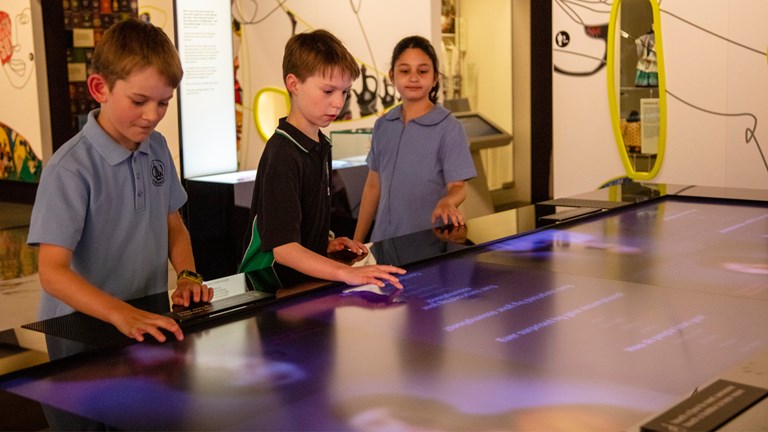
<point>264,130</point>
<point>614,103</point>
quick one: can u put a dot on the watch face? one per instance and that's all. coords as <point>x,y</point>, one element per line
<point>188,274</point>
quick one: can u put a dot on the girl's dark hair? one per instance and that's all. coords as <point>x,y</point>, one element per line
<point>424,45</point>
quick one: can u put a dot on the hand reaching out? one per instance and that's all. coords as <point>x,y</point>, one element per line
<point>377,275</point>
<point>136,323</point>
<point>342,243</point>
<point>188,291</point>
<point>447,213</point>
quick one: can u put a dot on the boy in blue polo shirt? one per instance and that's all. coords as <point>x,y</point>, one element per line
<point>106,214</point>
<point>290,213</point>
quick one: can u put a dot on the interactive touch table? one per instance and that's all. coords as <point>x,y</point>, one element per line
<point>525,320</point>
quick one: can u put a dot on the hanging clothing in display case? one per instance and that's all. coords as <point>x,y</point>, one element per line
<point>647,72</point>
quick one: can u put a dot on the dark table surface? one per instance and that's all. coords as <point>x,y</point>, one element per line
<point>521,320</point>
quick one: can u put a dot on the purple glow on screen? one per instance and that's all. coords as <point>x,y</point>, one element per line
<point>594,326</point>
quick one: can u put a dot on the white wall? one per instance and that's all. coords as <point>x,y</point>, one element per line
<point>369,30</point>
<point>488,75</point>
<point>719,77</point>
<point>722,86</point>
<point>584,151</point>
<point>265,30</point>
<point>161,15</point>
<point>521,99</point>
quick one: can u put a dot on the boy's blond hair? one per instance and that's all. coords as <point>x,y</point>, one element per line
<point>132,45</point>
<point>319,51</point>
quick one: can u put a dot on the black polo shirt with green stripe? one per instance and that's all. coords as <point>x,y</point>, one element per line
<point>291,196</point>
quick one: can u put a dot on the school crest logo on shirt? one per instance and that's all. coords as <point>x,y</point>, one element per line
<point>158,172</point>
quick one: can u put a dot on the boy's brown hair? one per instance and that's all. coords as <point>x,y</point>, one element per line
<point>132,45</point>
<point>318,51</point>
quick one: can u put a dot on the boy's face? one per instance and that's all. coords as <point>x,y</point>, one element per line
<point>134,106</point>
<point>317,101</point>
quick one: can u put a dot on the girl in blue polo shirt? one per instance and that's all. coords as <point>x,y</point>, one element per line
<point>419,160</point>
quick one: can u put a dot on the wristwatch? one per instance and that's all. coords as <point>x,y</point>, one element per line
<point>189,274</point>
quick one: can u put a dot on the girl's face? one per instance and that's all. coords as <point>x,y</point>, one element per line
<point>413,75</point>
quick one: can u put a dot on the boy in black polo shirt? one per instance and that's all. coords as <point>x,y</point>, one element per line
<point>290,213</point>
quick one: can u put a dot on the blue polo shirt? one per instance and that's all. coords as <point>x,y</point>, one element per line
<point>110,207</point>
<point>415,163</point>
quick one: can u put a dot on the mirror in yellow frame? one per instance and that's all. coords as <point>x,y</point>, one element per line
<point>636,86</point>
